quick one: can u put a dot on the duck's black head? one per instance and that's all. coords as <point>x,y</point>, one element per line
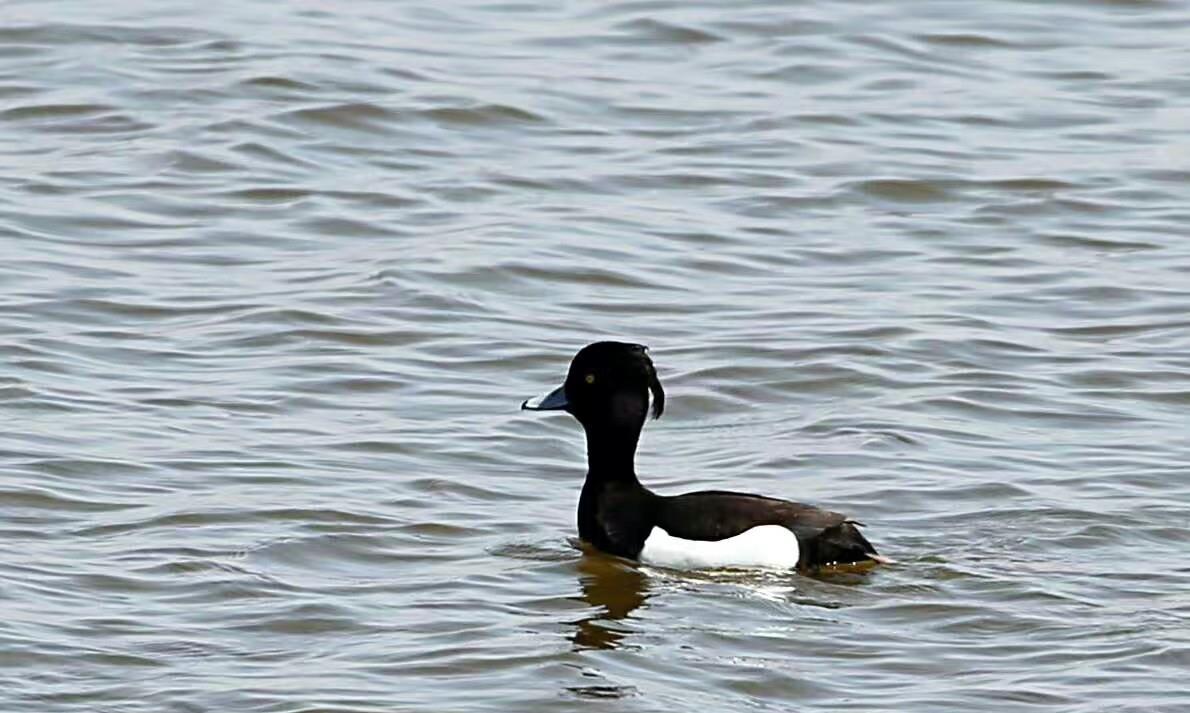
<point>608,386</point>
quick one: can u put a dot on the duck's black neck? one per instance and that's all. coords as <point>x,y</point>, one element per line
<point>614,510</point>
<point>611,452</point>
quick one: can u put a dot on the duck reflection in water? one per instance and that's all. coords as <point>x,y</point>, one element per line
<point>613,586</point>
<point>616,587</point>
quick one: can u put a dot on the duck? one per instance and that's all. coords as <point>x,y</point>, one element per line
<point>607,390</point>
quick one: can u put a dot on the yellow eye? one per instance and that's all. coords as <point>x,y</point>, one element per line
<point>590,378</point>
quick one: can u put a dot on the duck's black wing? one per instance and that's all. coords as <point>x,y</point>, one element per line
<point>824,537</point>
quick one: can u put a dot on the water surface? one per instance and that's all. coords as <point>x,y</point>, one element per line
<point>276,277</point>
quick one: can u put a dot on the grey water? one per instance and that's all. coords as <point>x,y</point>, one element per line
<point>276,276</point>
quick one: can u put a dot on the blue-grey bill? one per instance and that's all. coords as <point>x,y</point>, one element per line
<point>553,401</point>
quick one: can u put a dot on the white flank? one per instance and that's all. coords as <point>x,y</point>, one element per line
<point>769,546</point>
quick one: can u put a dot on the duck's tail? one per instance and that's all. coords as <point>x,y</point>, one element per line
<point>840,544</point>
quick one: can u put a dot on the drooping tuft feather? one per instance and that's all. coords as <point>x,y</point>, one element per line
<point>658,392</point>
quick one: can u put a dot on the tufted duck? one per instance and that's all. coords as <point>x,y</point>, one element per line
<point>607,390</point>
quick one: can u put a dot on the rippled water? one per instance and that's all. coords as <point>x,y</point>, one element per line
<point>277,276</point>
